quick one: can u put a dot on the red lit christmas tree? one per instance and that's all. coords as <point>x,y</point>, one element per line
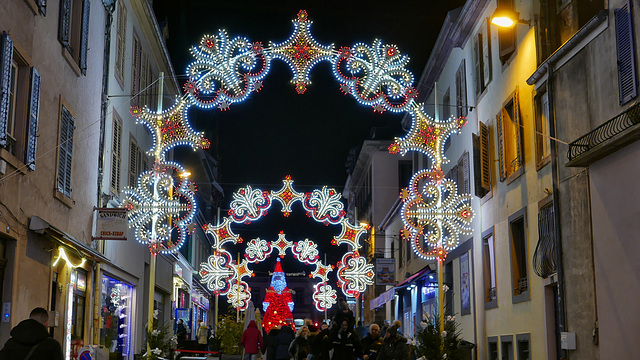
<point>278,303</point>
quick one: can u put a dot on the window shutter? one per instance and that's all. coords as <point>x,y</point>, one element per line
<point>485,161</point>
<point>84,45</point>
<point>477,59</point>
<point>42,7</point>
<point>626,54</point>
<point>64,24</point>
<point>116,154</point>
<point>144,72</point>
<point>507,42</point>
<point>32,129</point>
<point>461,90</point>
<point>133,158</point>
<point>66,152</point>
<point>486,55</point>
<point>135,71</point>
<point>463,173</point>
<point>518,133</point>
<point>121,41</point>
<point>6,59</point>
<point>501,151</point>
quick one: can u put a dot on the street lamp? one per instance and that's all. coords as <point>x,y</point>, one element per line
<point>507,18</point>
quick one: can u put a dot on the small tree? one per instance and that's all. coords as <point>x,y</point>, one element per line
<point>161,340</point>
<point>230,332</point>
<point>428,339</point>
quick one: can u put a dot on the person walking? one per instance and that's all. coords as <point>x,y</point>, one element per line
<point>319,343</point>
<point>203,336</point>
<point>283,340</point>
<point>372,343</point>
<point>345,343</point>
<point>385,326</point>
<point>394,346</point>
<point>269,344</point>
<point>30,340</point>
<point>299,347</point>
<point>361,330</point>
<point>181,333</point>
<point>251,340</point>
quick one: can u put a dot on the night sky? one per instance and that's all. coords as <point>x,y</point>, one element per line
<point>277,132</point>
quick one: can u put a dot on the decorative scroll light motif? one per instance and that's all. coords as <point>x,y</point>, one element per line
<point>301,51</point>
<point>159,203</point>
<point>323,206</point>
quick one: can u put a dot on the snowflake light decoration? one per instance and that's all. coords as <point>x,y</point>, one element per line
<point>249,204</point>
<point>438,209</point>
<point>324,296</point>
<point>301,51</point>
<point>169,129</point>
<point>159,203</point>
<point>354,274</point>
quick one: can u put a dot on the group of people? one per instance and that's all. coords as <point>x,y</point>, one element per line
<point>339,341</point>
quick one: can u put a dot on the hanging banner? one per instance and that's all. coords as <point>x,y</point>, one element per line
<point>385,271</point>
<point>110,224</point>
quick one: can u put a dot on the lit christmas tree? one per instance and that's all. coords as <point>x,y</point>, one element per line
<point>278,304</point>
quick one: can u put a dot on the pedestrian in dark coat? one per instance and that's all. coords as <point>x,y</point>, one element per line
<point>344,313</point>
<point>320,344</point>
<point>31,338</point>
<point>269,344</point>
<point>394,346</point>
<point>345,343</point>
<point>251,340</point>
<point>372,343</point>
<point>283,340</point>
<point>299,347</point>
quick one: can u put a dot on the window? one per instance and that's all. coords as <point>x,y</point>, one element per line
<point>482,58</point>
<point>461,90</point>
<point>463,174</point>
<point>519,264</point>
<point>446,105</point>
<point>116,153</point>
<point>405,172</point>
<point>73,31</point>
<point>489,270</point>
<point>506,36</point>
<point>137,162</point>
<point>543,142</point>
<point>523,343</point>
<point>453,173</point>
<point>544,257</point>
<point>65,151</point>
<point>626,54</point>
<point>19,104</point>
<point>510,138</point>
<point>559,20</point>
<point>121,42</point>
<point>506,346</point>
<point>493,347</point>
<point>78,277</point>
<point>481,161</point>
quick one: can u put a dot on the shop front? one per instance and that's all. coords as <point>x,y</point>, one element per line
<point>116,317</point>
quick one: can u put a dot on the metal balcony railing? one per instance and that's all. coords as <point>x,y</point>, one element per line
<point>604,132</point>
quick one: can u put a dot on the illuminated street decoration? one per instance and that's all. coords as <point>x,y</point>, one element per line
<point>301,51</point>
<point>169,129</point>
<point>161,202</point>
<point>219,273</point>
<point>427,136</point>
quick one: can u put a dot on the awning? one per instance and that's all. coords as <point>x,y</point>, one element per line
<point>384,298</point>
<point>413,277</point>
<point>40,226</point>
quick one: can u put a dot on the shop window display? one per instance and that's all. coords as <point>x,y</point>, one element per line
<point>116,317</point>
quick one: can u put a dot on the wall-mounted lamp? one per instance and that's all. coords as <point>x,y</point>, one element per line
<point>507,18</point>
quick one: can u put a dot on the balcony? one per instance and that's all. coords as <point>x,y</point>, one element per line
<point>607,138</point>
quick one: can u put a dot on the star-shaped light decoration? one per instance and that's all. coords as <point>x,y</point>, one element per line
<point>243,270</point>
<point>301,51</point>
<point>222,233</point>
<point>287,195</point>
<point>322,271</point>
<point>170,128</point>
<point>282,244</point>
<point>350,235</point>
<point>427,136</point>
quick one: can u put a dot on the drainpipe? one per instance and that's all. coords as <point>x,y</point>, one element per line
<point>560,300</point>
<point>109,7</point>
